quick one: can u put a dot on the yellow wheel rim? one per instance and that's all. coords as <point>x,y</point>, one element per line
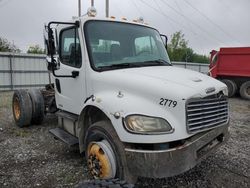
<point>17,109</point>
<point>101,162</point>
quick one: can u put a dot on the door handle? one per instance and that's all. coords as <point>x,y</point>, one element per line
<point>58,86</point>
<point>75,74</point>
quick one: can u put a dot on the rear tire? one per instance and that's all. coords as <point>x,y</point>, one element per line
<point>231,85</point>
<point>245,90</point>
<point>22,108</point>
<point>103,133</point>
<point>37,106</point>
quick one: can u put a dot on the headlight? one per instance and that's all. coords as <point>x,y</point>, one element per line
<point>147,125</point>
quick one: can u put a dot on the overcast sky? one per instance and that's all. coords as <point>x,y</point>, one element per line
<point>207,24</point>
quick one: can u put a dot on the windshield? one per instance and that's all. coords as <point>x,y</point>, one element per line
<point>114,45</point>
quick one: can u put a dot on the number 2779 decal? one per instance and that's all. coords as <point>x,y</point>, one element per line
<point>168,102</point>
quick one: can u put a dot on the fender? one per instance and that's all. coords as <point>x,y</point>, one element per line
<point>116,103</point>
<point>81,127</point>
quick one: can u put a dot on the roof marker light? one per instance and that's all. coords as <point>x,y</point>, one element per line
<point>92,12</point>
<point>140,20</point>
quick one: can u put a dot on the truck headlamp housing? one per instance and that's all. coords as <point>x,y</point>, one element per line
<point>141,124</point>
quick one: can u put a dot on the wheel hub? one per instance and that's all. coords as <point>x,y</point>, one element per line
<point>17,110</point>
<point>94,166</point>
<point>101,160</point>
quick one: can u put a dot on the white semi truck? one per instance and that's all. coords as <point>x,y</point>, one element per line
<point>117,95</point>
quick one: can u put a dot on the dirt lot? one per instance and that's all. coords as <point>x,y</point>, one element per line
<point>30,157</point>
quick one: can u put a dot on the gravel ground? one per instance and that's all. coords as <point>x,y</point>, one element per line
<point>31,157</point>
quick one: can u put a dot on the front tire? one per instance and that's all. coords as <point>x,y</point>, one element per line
<point>111,183</point>
<point>105,153</point>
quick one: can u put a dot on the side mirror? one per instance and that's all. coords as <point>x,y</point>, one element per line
<point>49,40</point>
<point>164,39</point>
<point>50,48</point>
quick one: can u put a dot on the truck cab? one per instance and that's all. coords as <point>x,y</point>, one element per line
<point>118,96</point>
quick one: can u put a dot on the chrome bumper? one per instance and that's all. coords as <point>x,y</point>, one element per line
<point>174,161</point>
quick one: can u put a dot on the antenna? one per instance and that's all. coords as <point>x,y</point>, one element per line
<point>107,8</point>
<point>79,8</point>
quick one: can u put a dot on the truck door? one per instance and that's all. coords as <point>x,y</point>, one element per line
<point>71,92</point>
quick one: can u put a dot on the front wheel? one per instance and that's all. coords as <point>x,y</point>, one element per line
<point>105,153</point>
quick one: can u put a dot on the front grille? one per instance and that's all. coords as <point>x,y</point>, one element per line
<point>206,113</point>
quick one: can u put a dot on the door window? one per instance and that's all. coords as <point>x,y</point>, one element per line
<point>70,49</point>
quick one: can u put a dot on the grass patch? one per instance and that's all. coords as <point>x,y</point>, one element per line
<point>5,99</point>
<point>68,177</point>
<point>21,133</point>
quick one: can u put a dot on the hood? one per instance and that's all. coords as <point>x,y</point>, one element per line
<point>164,79</point>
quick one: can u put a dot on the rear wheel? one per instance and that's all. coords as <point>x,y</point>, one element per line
<point>231,85</point>
<point>105,153</point>
<point>22,108</point>
<point>37,106</point>
<point>245,90</point>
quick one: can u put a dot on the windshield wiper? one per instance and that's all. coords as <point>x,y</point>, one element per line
<point>119,65</point>
<point>156,62</point>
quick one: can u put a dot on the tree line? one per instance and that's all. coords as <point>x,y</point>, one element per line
<point>6,46</point>
<point>178,50</point>
<point>177,47</point>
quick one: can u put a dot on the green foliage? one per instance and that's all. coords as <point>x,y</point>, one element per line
<point>35,49</point>
<point>178,50</point>
<point>6,46</point>
<point>177,41</point>
<point>200,58</point>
